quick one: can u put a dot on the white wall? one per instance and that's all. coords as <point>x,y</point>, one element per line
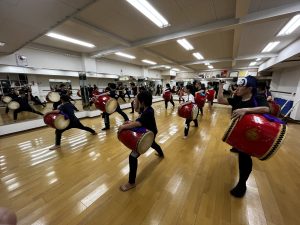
<point>287,80</point>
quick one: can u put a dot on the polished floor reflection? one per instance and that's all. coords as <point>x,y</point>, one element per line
<point>80,183</point>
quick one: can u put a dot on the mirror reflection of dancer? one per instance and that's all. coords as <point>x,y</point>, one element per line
<point>168,88</point>
<point>147,120</point>
<point>111,91</point>
<point>67,109</point>
<point>245,101</point>
<point>24,106</point>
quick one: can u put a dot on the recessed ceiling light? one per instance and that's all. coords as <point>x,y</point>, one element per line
<point>150,12</point>
<point>184,43</point>
<point>292,25</point>
<point>198,55</point>
<point>2,44</point>
<point>270,46</point>
<point>149,62</point>
<point>125,55</point>
<point>71,40</point>
<point>252,64</point>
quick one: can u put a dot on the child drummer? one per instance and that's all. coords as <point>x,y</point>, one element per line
<point>147,120</point>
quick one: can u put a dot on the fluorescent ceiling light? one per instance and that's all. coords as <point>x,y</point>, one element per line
<point>2,44</point>
<point>149,62</point>
<point>150,12</point>
<point>125,55</point>
<point>167,67</point>
<point>292,25</point>
<point>252,64</point>
<point>72,40</point>
<point>207,64</point>
<point>184,43</point>
<point>210,67</point>
<point>258,59</point>
<point>270,46</point>
<point>198,55</point>
<point>175,69</point>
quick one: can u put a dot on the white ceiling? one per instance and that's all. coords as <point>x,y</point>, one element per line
<point>228,33</point>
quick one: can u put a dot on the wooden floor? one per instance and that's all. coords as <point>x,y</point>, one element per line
<point>80,183</point>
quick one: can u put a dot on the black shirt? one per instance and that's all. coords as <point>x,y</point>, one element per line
<point>23,101</point>
<point>112,93</point>
<point>147,119</point>
<point>68,109</point>
<point>237,103</point>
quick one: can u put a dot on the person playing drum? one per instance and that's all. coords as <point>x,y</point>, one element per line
<point>111,91</point>
<point>147,120</point>
<point>168,88</point>
<point>245,101</point>
<point>189,98</point>
<point>67,109</point>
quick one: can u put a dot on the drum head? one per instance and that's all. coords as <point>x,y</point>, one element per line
<point>145,142</point>
<point>195,112</point>
<point>54,96</point>
<point>111,106</point>
<point>61,123</point>
<point>13,105</point>
<point>6,99</point>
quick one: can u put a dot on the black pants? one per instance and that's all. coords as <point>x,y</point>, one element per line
<point>172,102</point>
<point>201,110</point>
<point>27,109</point>
<point>73,124</point>
<point>187,126</point>
<point>122,96</point>
<point>132,107</point>
<point>37,101</point>
<point>133,162</point>
<point>128,94</point>
<point>245,167</point>
<point>105,116</point>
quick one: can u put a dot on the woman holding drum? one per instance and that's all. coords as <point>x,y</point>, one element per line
<point>67,109</point>
<point>244,102</point>
<point>167,96</point>
<point>146,120</point>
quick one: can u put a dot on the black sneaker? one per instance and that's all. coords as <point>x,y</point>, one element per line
<point>105,128</point>
<point>238,191</point>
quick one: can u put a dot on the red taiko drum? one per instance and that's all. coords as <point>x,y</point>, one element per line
<point>53,96</point>
<point>137,139</point>
<point>200,99</point>
<point>274,108</point>
<point>6,99</point>
<point>167,95</point>
<point>210,95</point>
<point>106,103</point>
<point>188,111</point>
<point>255,135</point>
<point>13,105</point>
<point>95,93</point>
<point>56,120</point>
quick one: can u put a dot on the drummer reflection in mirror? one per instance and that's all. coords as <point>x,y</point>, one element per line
<point>147,120</point>
<point>13,94</point>
<point>67,109</point>
<point>111,91</point>
<point>244,102</point>
<point>189,98</point>
<point>24,106</point>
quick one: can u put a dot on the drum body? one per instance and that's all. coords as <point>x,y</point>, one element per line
<point>6,99</point>
<point>188,111</point>
<point>255,135</point>
<point>210,95</point>
<point>95,93</point>
<point>56,120</point>
<point>13,105</point>
<point>200,99</point>
<point>53,97</point>
<point>274,108</point>
<point>167,95</point>
<point>106,104</point>
<point>137,139</point>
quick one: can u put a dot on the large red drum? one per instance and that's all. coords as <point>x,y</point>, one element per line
<point>53,96</point>
<point>137,139</point>
<point>188,111</point>
<point>274,108</point>
<point>167,95</point>
<point>200,99</point>
<point>210,95</point>
<point>105,103</point>
<point>56,120</point>
<point>255,135</point>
